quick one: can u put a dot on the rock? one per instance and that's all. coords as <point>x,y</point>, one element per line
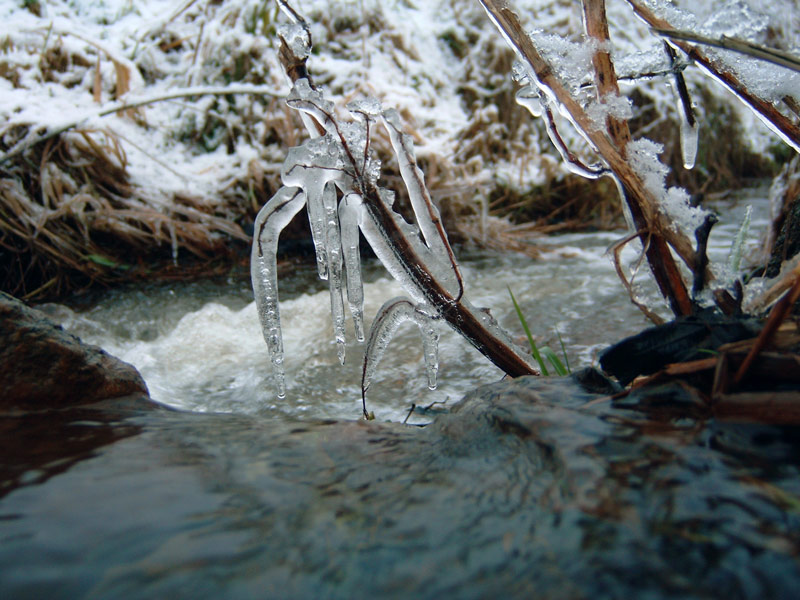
<point>42,366</point>
<point>684,339</point>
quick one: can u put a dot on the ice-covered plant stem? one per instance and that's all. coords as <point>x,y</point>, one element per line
<point>769,114</point>
<point>661,218</point>
<point>656,230</point>
<point>334,175</point>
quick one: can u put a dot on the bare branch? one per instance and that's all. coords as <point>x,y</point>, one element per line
<point>481,331</point>
<point>616,250</point>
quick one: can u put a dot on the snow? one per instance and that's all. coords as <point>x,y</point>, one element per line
<point>643,157</point>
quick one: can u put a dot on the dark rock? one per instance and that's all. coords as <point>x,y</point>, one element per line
<point>684,339</point>
<point>42,366</point>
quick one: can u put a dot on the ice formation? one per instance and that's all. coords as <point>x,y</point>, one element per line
<point>390,317</point>
<point>334,176</point>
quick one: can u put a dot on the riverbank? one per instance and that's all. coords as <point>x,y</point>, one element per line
<point>94,195</point>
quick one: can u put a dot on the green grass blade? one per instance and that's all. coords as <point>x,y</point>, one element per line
<point>735,257</point>
<point>534,349</point>
<point>563,351</point>
<point>551,356</point>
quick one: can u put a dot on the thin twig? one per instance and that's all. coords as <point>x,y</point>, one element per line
<point>643,205</point>
<point>681,87</point>
<point>776,57</point>
<point>628,285</point>
<point>777,316</point>
<point>789,131</point>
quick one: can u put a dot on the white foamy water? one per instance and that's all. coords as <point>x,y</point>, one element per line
<point>199,346</point>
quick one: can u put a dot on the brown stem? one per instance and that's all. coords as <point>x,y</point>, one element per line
<point>777,316</point>
<point>455,313</point>
<point>642,203</point>
<point>605,75</point>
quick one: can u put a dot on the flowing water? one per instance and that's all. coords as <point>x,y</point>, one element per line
<point>199,346</point>
<point>238,494</point>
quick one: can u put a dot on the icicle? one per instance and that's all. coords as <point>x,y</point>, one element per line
<point>425,211</point>
<point>689,138</point>
<point>271,220</point>
<point>390,317</point>
<point>349,212</point>
<point>333,250</point>
<point>688,127</point>
<point>296,173</point>
<point>311,166</point>
<point>430,346</point>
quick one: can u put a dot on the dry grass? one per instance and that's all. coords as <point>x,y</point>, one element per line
<point>69,212</point>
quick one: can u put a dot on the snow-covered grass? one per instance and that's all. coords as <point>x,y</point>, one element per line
<point>188,174</point>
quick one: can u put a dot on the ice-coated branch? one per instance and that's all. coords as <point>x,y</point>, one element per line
<point>417,254</point>
<point>349,212</point>
<point>777,121</point>
<point>427,214</point>
<point>776,57</point>
<point>640,200</point>
<point>689,128</point>
<point>390,317</point>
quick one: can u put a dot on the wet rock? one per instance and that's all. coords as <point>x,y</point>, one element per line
<point>681,340</point>
<point>42,366</point>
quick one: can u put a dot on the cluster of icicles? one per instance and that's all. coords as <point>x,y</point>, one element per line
<point>341,159</point>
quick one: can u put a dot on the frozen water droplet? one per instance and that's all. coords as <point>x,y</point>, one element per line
<point>689,140</point>
<point>528,97</point>
<point>370,107</point>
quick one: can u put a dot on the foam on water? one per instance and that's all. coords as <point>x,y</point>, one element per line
<point>199,346</point>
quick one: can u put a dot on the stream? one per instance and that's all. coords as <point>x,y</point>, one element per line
<point>199,345</point>
<point>533,488</point>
